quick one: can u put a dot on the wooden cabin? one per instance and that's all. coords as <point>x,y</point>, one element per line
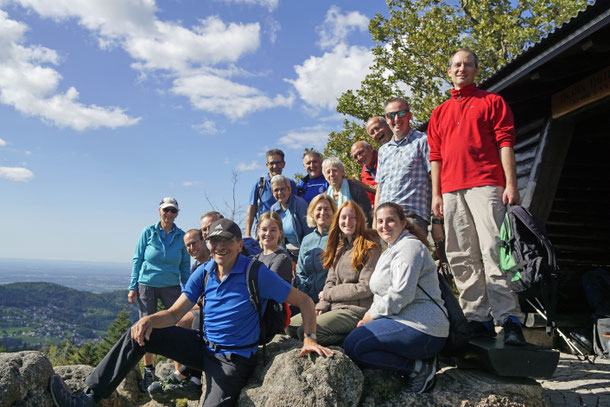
<point>559,91</point>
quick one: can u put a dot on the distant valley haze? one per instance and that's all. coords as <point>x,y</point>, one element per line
<point>95,277</point>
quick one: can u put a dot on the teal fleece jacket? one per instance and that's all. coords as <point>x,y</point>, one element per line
<point>310,275</point>
<point>157,265</point>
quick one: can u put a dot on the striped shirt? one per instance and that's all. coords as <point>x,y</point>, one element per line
<point>402,174</point>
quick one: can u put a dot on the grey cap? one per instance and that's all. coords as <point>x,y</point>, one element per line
<point>224,228</point>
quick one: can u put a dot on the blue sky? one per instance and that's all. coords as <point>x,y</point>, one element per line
<point>108,106</point>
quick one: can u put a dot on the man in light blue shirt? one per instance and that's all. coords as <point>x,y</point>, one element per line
<point>403,168</point>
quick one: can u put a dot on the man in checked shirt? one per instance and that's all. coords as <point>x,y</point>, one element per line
<point>403,167</point>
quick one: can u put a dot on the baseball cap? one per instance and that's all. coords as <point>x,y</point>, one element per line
<point>168,202</point>
<point>225,228</point>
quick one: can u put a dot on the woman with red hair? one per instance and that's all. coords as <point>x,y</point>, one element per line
<point>351,254</point>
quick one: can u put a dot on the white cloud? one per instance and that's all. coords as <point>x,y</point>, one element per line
<point>306,137</point>
<point>2,143</point>
<point>189,183</point>
<point>215,94</point>
<point>31,88</point>
<point>28,152</point>
<point>321,80</point>
<point>208,127</point>
<point>18,174</point>
<point>253,165</point>
<point>337,26</point>
<point>272,27</point>
<point>270,4</point>
<point>208,49</point>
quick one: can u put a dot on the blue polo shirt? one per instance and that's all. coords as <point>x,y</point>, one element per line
<point>309,188</point>
<point>230,318</point>
<point>267,198</point>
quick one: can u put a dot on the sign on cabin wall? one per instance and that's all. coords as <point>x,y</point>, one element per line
<point>588,90</point>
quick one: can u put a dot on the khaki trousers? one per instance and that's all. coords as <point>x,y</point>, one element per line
<point>332,326</point>
<point>472,226</point>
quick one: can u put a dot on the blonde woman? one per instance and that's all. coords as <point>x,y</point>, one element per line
<point>270,235</point>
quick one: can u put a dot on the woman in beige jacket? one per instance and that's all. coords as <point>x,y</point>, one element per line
<point>351,254</point>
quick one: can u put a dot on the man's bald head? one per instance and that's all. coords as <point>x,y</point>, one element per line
<point>362,153</point>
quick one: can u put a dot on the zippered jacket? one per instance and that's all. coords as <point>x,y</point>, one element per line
<point>157,265</point>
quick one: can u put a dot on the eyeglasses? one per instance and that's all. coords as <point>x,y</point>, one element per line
<point>279,190</point>
<point>274,163</point>
<point>400,113</point>
<point>170,209</point>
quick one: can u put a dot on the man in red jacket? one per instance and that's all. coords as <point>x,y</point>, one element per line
<point>471,138</point>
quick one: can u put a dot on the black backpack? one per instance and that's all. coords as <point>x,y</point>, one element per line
<point>273,320</point>
<point>528,258</point>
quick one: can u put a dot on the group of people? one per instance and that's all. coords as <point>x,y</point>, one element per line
<point>351,257</point>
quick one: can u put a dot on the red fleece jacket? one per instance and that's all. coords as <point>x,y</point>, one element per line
<point>465,134</point>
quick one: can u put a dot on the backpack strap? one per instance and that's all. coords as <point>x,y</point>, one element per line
<point>252,281</point>
<point>261,189</point>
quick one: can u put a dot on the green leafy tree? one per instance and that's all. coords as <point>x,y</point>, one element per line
<point>115,331</point>
<point>414,43</point>
<point>340,143</point>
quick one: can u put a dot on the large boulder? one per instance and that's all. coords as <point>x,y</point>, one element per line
<point>284,378</point>
<point>24,378</point>
<point>289,379</point>
<point>454,387</point>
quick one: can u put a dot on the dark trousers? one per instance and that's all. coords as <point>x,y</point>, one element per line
<point>225,375</point>
<point>387,344</point>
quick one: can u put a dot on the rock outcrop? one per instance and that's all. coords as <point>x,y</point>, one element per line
<point>24,377</point>
<point>286,379</point>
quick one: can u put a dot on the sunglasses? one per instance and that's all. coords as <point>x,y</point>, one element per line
<point>274,163</point>
<point>170,209</point>
<point>392,115</point>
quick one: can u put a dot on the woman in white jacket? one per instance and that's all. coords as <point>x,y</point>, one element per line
<point>405,327</point>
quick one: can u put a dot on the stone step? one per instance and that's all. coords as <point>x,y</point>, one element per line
<point>493,356</point>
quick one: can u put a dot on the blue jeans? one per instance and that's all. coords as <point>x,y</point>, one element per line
<point>386,344</point>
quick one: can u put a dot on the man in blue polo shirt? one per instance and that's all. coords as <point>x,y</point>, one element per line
<point>231,325</point>
<point>261,197</point>
<point>314,183</point>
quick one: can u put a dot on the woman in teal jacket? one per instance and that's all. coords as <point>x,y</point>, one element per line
<point>310,275</point>
<point>161,265</point>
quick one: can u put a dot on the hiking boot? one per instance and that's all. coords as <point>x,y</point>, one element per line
<point>155,390</point>
<point>169,390</point>
<point>481,329</point>
<point>148,379</point>
<point>62,397</point>
<point>513,334</point>
<point>423,380</point>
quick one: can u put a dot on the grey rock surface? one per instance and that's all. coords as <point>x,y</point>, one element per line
<point>24,378</point>
<point>288,379</point>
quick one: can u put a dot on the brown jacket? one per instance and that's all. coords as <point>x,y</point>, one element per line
<point>346,288</point>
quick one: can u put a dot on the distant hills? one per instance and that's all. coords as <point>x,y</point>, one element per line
<point>91,276</point>
<point>37,313</point>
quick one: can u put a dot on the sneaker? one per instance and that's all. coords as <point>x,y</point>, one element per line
<point>422,381</point>
<point>481,329</point>
<point>169,390</point>
<point>62,397</point>
<point>155,390</point>
<point>513,334</point>
<point>148,379</point>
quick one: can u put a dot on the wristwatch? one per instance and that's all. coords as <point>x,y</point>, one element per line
<point>312,336</point>
<point>437,221</point>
